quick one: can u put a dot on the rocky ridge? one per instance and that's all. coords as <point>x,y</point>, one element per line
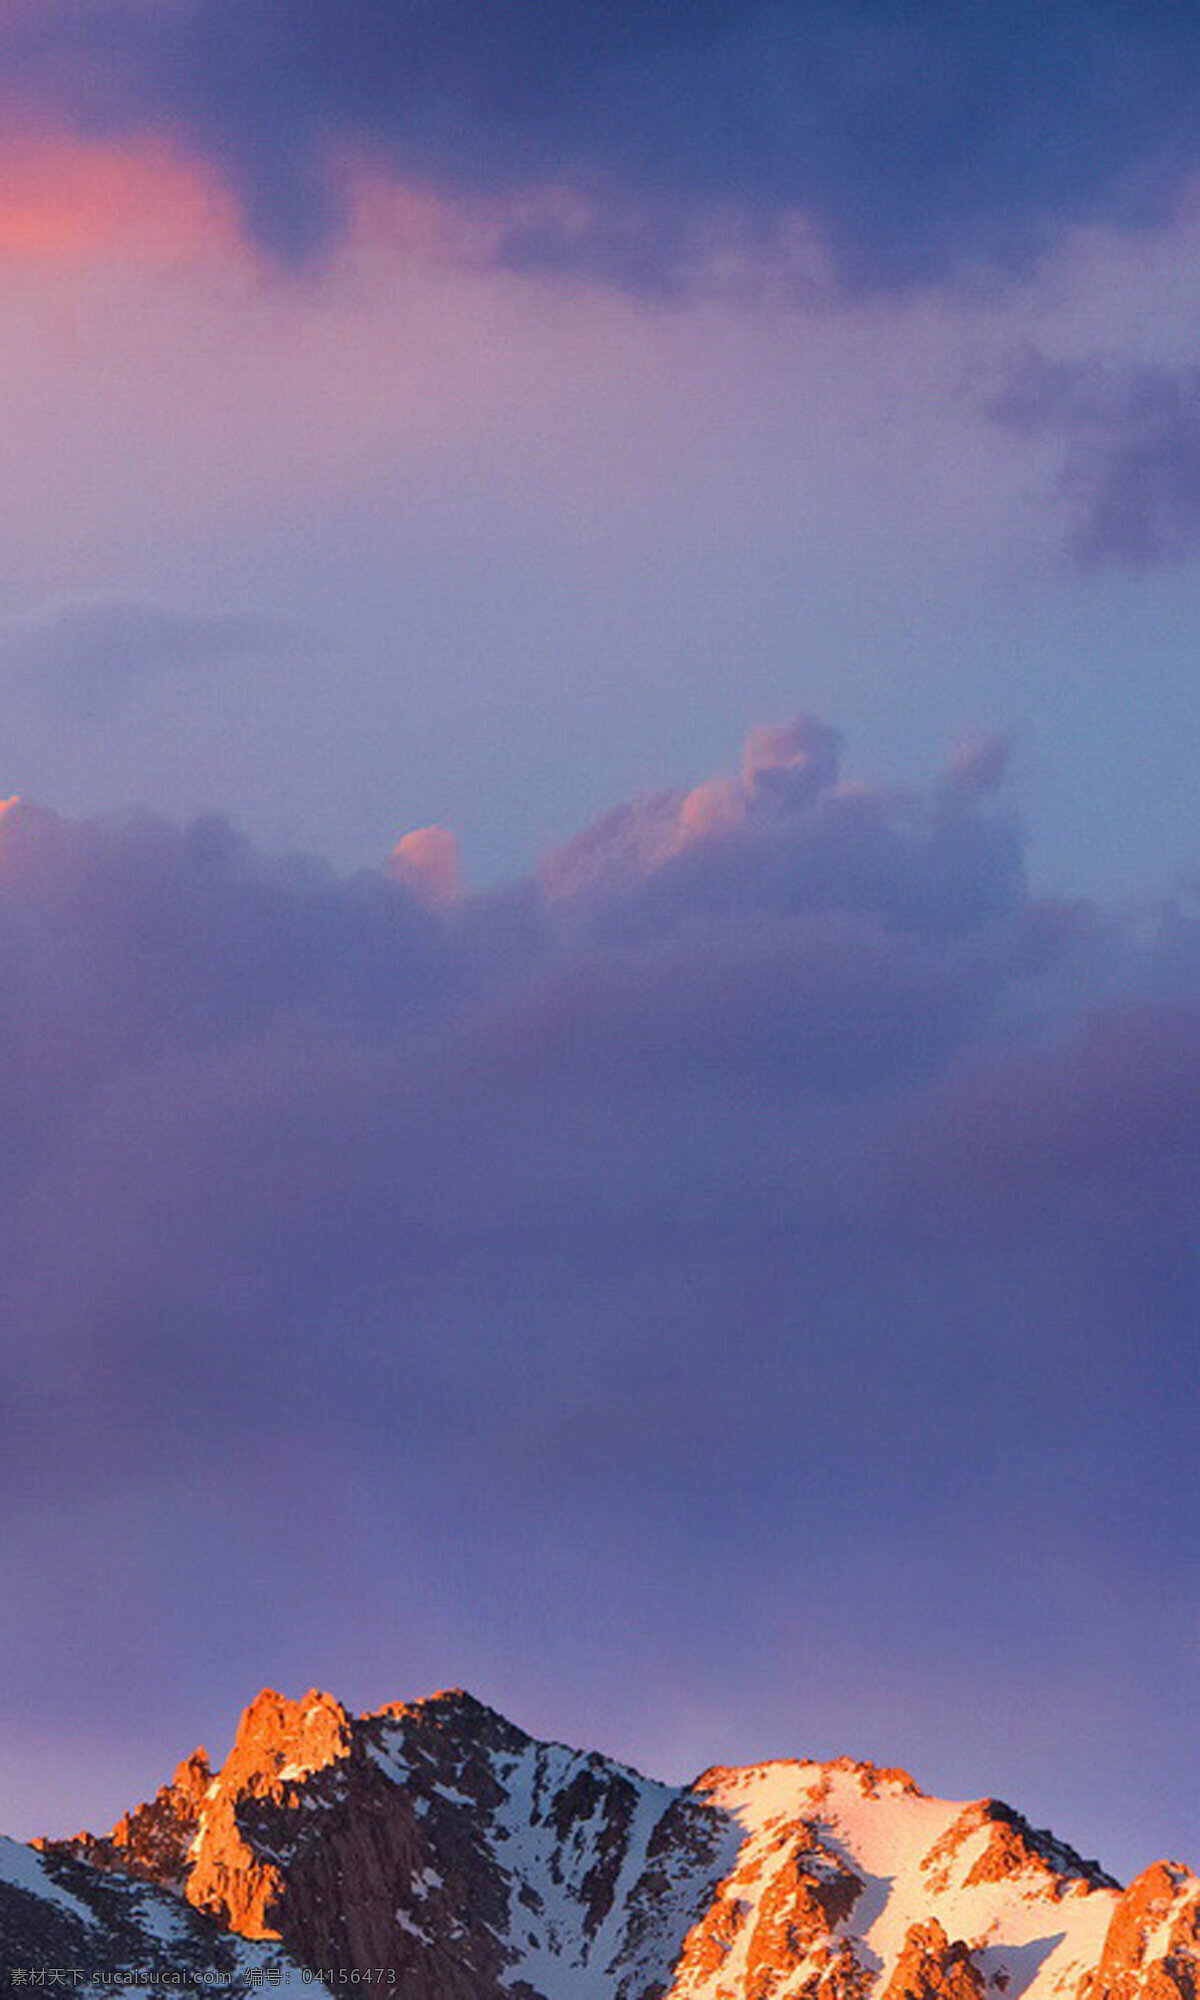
<point>436,1841</point>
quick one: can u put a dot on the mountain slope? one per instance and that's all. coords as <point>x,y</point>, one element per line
<point>57,1914</point>
<point>437,1840</point>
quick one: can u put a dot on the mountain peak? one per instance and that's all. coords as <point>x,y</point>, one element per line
<point>436,1838</point>
<point>296,1735</point>
<point>194,1773</point>
<point>449,1705</point>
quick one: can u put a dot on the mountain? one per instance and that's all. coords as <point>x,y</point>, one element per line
<point>437,1849</point>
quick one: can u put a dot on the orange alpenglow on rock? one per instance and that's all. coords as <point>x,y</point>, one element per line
<point>438,1840</point>
<point>426,860</point>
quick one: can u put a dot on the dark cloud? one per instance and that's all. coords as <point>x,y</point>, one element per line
<point>93,659</point>
<point>917,135</point>
<point>306,1099</point>
<point>1131,452</point>
<point>773,1178</point>
<point>1108,1124</point>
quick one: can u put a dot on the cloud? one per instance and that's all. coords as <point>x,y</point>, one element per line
<point>769,1187</point>
<point>787,837</point>
<point>1105,1126</point>
<point>94,659</point>
<point>427,860</point>
<point>618,140</point>
<point>1130,434</point>
<point>268,1077</point>
<point>784,768</point>
<point>62,195</point>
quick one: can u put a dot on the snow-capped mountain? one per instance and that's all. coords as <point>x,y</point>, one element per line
<point>435,1846</point>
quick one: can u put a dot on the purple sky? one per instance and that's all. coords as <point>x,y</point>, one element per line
<point>723,1281</point>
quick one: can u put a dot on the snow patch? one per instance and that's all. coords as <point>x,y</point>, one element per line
<point>410,1928</point>
<point>23,1869</point>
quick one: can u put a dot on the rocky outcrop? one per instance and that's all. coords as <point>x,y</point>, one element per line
<point>152,1841</point>
<point>1001,1846</point>
<point>931,1968</point>
<point>1152,1949</point>
<point>440,1843</point>
<point>775,1923</point>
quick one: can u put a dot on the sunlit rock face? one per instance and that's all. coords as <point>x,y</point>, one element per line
<point>1153,1943</point>
<point>437,1841</point>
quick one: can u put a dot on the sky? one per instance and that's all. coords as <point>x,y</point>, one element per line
<point>599,938</point>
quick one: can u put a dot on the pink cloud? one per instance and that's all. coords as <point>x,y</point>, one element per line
<point>76,199</point>
<point>426,860</point>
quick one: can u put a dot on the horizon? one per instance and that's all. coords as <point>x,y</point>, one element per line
<point>680,1781</point>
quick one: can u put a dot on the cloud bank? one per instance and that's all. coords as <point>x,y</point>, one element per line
<point>770,1189</point>
<point>918,137</point>
<point>770,1018</point>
